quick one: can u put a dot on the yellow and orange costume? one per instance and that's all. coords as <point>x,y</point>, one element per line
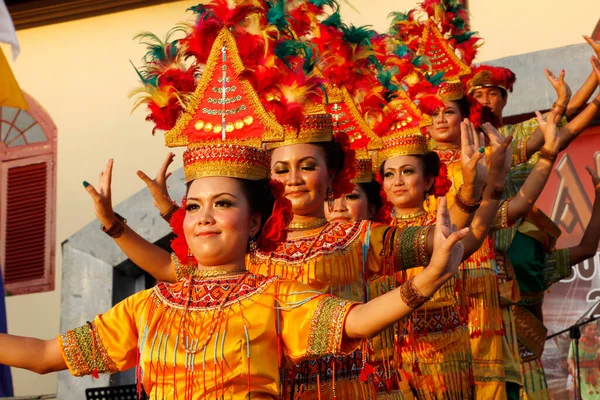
<point>215,338</point>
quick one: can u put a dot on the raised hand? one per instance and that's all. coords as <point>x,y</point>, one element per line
<point>473,158</point>
<point>552,141</point>
<point>158,186</point>
<point>563,91</point>
<point>447,247</point>
<point>595,45</point>
<point>500,157</point>
<point>102,197</point>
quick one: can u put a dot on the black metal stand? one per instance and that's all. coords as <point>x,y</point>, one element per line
<point>575,335</point>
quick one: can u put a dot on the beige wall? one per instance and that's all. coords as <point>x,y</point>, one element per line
<point>510,27</point>
<point>80,72</point>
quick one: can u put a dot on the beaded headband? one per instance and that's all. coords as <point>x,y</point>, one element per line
<point>489,76</point>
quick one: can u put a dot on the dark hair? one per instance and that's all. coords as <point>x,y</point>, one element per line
<point>260,199</point>
<point>464,107</point>
<point>334,155</point>
<point>259,196</point>
<point>430,162</point>
<point>373,191</point>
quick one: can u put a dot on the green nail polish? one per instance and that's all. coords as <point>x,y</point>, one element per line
<point>85,184</point>
<point>482,150</point>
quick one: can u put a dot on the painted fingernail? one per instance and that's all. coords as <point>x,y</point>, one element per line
<point>85,184</point>
<point>481,149</point>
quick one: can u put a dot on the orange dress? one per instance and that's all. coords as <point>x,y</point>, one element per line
<point>489,288</point>
<point>211,339</point>
<point>341,259</point>
<point>434,341</point>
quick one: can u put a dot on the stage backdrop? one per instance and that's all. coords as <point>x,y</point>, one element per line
<point>568,199</point>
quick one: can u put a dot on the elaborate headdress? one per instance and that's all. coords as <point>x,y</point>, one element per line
<point>443,60</point>
<point>349,125</point>
<point>399,128</point>
<point>490,76</point>
<point>224,124</point>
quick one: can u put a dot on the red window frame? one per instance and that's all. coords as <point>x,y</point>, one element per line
<point>23,155</point>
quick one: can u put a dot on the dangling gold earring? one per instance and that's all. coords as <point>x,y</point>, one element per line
<point>191,258</point>
<point>427,205</point>
<point>329,198</point>
<point>252,246</point>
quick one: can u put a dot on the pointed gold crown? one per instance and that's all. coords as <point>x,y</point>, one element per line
<point>443,59</point>
<point>348,120</point>
<point>225,124</point>
<point>404,137</point>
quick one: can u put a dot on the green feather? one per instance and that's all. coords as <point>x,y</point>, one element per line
<point>358,34</point>
<point>401,50</point>
<point>334,20</point>
<point>198,9</point>
<point>321,3</point>
<point>436,78</point>
<point>385,78</point>
<point>276,14</point>
<point>420,60</point>
<point>397,17</point>
<point>463,37</point>
<point>295,48</point>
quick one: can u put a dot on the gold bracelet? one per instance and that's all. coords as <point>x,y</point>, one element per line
<point>548,155</point>
<point>411,295</point>
<point>169,213</point>
<point>524,150</point>
<point>116,229</point>
<point>463,205</point>
<point>422,255</point>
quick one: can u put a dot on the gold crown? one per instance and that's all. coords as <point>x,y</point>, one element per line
<point>451,91</point>
<point>224,125</point>
<point>348,120</point>
<point>233,160</point>
<point>316,128</point>
<point>404,136</point>
<point>364,168</point>
<point>443,59</point>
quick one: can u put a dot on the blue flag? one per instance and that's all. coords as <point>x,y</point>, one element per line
<point>6,387</point>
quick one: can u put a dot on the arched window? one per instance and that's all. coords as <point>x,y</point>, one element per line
<point>27,198</point>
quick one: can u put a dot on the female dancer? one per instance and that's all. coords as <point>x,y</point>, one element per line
<point>212,335</point>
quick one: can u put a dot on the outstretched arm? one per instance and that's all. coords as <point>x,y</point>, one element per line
<point>589,242</point>
<point>144,254</point>
<point>581,97</point>
<point>365,320</point>
<point>574,127</point>
<point>522,203</point>
<point>36,355</point>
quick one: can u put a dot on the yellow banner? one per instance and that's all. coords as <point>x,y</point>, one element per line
<point>10,92</point>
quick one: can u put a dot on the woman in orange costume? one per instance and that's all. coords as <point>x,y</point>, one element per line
<point>211,334</point>
<point>434,342</point>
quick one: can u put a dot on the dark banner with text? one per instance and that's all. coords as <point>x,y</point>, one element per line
<point>568,199</point>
